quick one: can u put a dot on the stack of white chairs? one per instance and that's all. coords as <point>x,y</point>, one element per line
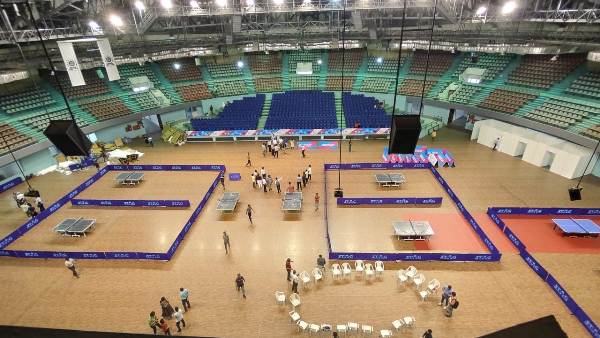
<point>336,271</point>
<point>295,300</point>
<point>353,326</point>
<point>341,328</point>
<point>402,277</point>
<point>411,272</point>
<point>346,269</point>
<point>379,268</point>
<point>409,321</point>
<point>419,280</point>
<point>314,328</point>
<point>317,274</point>
<point>369,271</point>
<point>280,297</point>
<point>305,277</point>
<point>359,267</point>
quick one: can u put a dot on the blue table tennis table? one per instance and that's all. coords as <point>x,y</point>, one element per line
<point>577,227</point>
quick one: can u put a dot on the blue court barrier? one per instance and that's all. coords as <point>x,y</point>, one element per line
<point>20,231</point>
<point>558,289</point>
<point>493,255</point>
<point>132,203</point>
<point>383,201</point>
<point>7,185</point>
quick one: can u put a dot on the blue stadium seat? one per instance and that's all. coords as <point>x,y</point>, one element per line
<point>362,109</point>
<point>238,115</point>
<point>302,110</point>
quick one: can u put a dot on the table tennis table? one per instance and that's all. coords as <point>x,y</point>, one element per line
<point>75,227</point>
<point>292,202</point>
<point>130,178</point>
<point>390,180</point>
<point>577,227</point>
<point>413,230</point>
<point>228,202</point>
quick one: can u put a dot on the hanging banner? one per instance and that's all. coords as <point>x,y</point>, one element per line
<point>71,64</point>
<point>108,60</point>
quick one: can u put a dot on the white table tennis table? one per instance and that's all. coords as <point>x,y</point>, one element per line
<point>75,227</point>
<point>228,202</point>
<point>390,180</point>
<point>413,230</point>
<point>130,178</point>
<point>292,202</point>
<point>576,227</point>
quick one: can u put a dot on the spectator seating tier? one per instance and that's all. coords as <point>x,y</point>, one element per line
<point>237,115</point>
<point>335,83</point>
<point>194,92</point>
<point>352,61</point>
<point>376,85</point>
<point>506,101</point>
<point>543,71</point>
<point>464,93</point>
<point>388,66</point>
<point>40,120</point>
<point>188,71</point>
<point>364,110</point>
<point>560,113</point>
<point>268,84</point>
<point>413,87</point>
<point>265,63</point>
<point>224,70</point>
<point>302,110</point>
<point>586,85</point>
<point>231,88</point>
<point>93,84</point>
<point>304,82</point>
<point>439,62</point>
<point>493,63</point>
<point>106,108</point>
<point>593,132</point>
<point>304,56</point>
<point>14,139</point>
<point>25,100</point>
<point>135,70</point>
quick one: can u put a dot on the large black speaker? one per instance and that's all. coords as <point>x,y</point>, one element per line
<point>575,194</point>
<point>68,138</point>
<point>405,134</point>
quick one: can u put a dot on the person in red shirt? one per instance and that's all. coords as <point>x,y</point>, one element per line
<point>317,198</point>
<point>164,327</point>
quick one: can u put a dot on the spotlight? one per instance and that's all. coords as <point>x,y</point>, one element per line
<point>509,7</point>
<point>115,20</point>
<point>221,3</point>
<point>249,3</point>
<point>319,61</point>
<point>194,4</point>
<point>139,5</point>
<point>554,58</point>
<point>167,4</point>
<point>306,2</point>
<point>379,59</point>
<point>481,10</point>
<point>93,25</point>
<point>278,2</point>
<point>16,8</point>
<point>177,66</point>
<point>240,64</point>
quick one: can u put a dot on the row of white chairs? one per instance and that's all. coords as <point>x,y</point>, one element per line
<point>360,267</point>
<point>411,274</point>
<point>304,326</point>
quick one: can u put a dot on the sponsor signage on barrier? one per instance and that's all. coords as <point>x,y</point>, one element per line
<point>359,166</point>
<point>514,239</point>
<point>15,181</point>
<point>534,264</point>
<point>414,256</point>
<point>588,323</point>
<point>161,167</point>
<point>132,203</point>
<point>121,255</point>
<point>545,211</point>
<point>380,201</point>
<point>562,294</point>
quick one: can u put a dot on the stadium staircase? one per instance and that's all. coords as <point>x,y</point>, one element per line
<point>531,105</point>
<point>339,110</point>
<point>208,79</point>
<point>248,78</point>
<point>561,86</point>
<point>360,74</point>
<point>165,85</point>
<point>285,72</point>
<point>265,111</point>
<point>446,78</point>
<point>323,71</point>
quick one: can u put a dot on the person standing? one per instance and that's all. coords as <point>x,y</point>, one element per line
<point>496,144</point>
<point>164,327</point>
<point>264,184</point>
<point>446,293</point>
<point>290,187</point>
<point>153,321</point>
<point>264,149</point>
<point>226,243</point>
<point>222,178</point>
<point>184,295</point>
<point>303,151</point>
<point>288,268</point>
<point>321,263</point>
<point>305,178</point>
<point>70,264</point>
<point>248,161</point>
<point>150,141</point>
<point>167,309</point>
<point>433,135</point>
<point>259,181</point>
<point>239,284</point>
<point>452,305</point>
<point>309,172</point>
<point>179,319</point>
<point>317,198</point>
<point>292,144</point>
<point>299,183</point>
<point>263,172</point>
<point>427,334</point>
<point>40,203</point>
<point>295,280</point>
<point>254,180</point>
<point>349,145</point>
<point>270,182</point>
<point>249,212</point>
<point>276,150</point>
<point>278,185</point>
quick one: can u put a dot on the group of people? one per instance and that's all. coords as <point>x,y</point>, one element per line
<point>449,302</point>
<point>168,312</point>
<point>264,181</point>
<point>276,144</point>
<point>26,206</point>
<point>304,178</point>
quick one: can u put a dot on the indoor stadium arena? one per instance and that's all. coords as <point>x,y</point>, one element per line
<point>157,162</point>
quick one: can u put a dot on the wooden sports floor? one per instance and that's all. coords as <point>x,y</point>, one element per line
<point>117,296</point>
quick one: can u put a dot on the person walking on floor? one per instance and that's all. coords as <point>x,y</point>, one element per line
<point>303,151</point>
<point>349,145</point>
<point>295,281</point>
<point>264,149</point>
<point>270,182</point>
<point>278,185</point>
<point>222,179</point>
<point>317,198</point>
<point>276,151</point>
<point>153,321</point>
<point>427,334</point>
<point>299,183</point>
<point>164,327</point>
<point>248,161</point>
<point>321,263</point>
<point>288,268</point>
<point>167,309</point>
<point>292,144</point>
<point>263,172</point>
<point>452,305</point>
<point>249,212</point>
<point>239,284</point>
<point>496,144</point>
<point>446,293</point>
<point>264,184</point>
<point>226,243</point>
<point>253,180</point>
<point>305,178</point>
<point>184,295</point>
<point>40,203</point>
<point>259,182</point>
<point>179,319</point>
<point>70,264</point>
<point>309,172</point>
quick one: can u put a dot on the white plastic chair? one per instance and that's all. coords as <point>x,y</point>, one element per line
<point>317,274</point>
<point>402,277</point>
<point>314,328</point>
<point>302,325</point>
<point>305,277</point>
<point>353,326</point>
<point>424,294</point>
<point>398,324</point>
<point>341,328</point>
<point>280,297</point>
<point>411,272</point>
<point>359,266</point>
<point>294,316</point>
<point>346,269</point>
<point>379,268</point>
<point>385,333</point>
<point>335,270</point>
<point>295,300</point>
<point>367,329</point>
<point>433,286</point>
<point>369,271</point>
<point>409,321</point>
<point>419,279</point>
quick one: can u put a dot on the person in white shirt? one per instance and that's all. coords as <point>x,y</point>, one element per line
<point>292,144</point>
<point>309,171</point>
<point>295,281</point>
<point>70,264</point>
<point>263,172</point>
<point>40,203</point>
<point>179,318</point>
